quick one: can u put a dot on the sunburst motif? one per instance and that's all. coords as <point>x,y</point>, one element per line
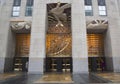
<point>97,24</point>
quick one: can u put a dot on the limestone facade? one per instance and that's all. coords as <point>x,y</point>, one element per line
<point>79,33</point>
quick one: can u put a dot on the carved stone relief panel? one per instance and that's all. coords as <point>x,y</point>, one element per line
<point>20,26</point>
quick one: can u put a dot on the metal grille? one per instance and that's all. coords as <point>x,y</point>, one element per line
<point>22,44</point>
<point>95,45</point>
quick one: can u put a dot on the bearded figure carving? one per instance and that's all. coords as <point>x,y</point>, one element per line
<point>58,13</point>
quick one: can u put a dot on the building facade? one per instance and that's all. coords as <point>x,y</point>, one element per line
<point>77,36</point>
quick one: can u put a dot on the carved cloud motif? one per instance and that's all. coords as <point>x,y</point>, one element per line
<point>21,25</point>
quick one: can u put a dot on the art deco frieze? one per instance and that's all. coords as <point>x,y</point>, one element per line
<point>59,18</point>
<point>97,26</point>
<point>21,26</point>
<point>58,38</point>
<point>59,14</point>
<point>58,45</point>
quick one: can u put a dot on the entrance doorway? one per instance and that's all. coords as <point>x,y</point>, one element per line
<point>22,53</point>
<point>58,38</point>
<point>58,64</point>
<point>58,53</point>
<point>96,57</point>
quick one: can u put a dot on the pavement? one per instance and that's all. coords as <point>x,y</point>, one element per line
<point>60,78</point>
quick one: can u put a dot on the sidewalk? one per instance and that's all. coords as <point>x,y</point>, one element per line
<point>113,77</point>
<point>5,76</point>
<point>24,78</point>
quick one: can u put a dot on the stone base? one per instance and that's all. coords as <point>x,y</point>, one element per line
<point>36,66</point>
<point>109,63</point>
<point>8,67</point>
<point>80,65</point>
<point>2,62</point>
<point>116,64</point>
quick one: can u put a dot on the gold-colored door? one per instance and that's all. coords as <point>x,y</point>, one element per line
<point>22,45</point>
